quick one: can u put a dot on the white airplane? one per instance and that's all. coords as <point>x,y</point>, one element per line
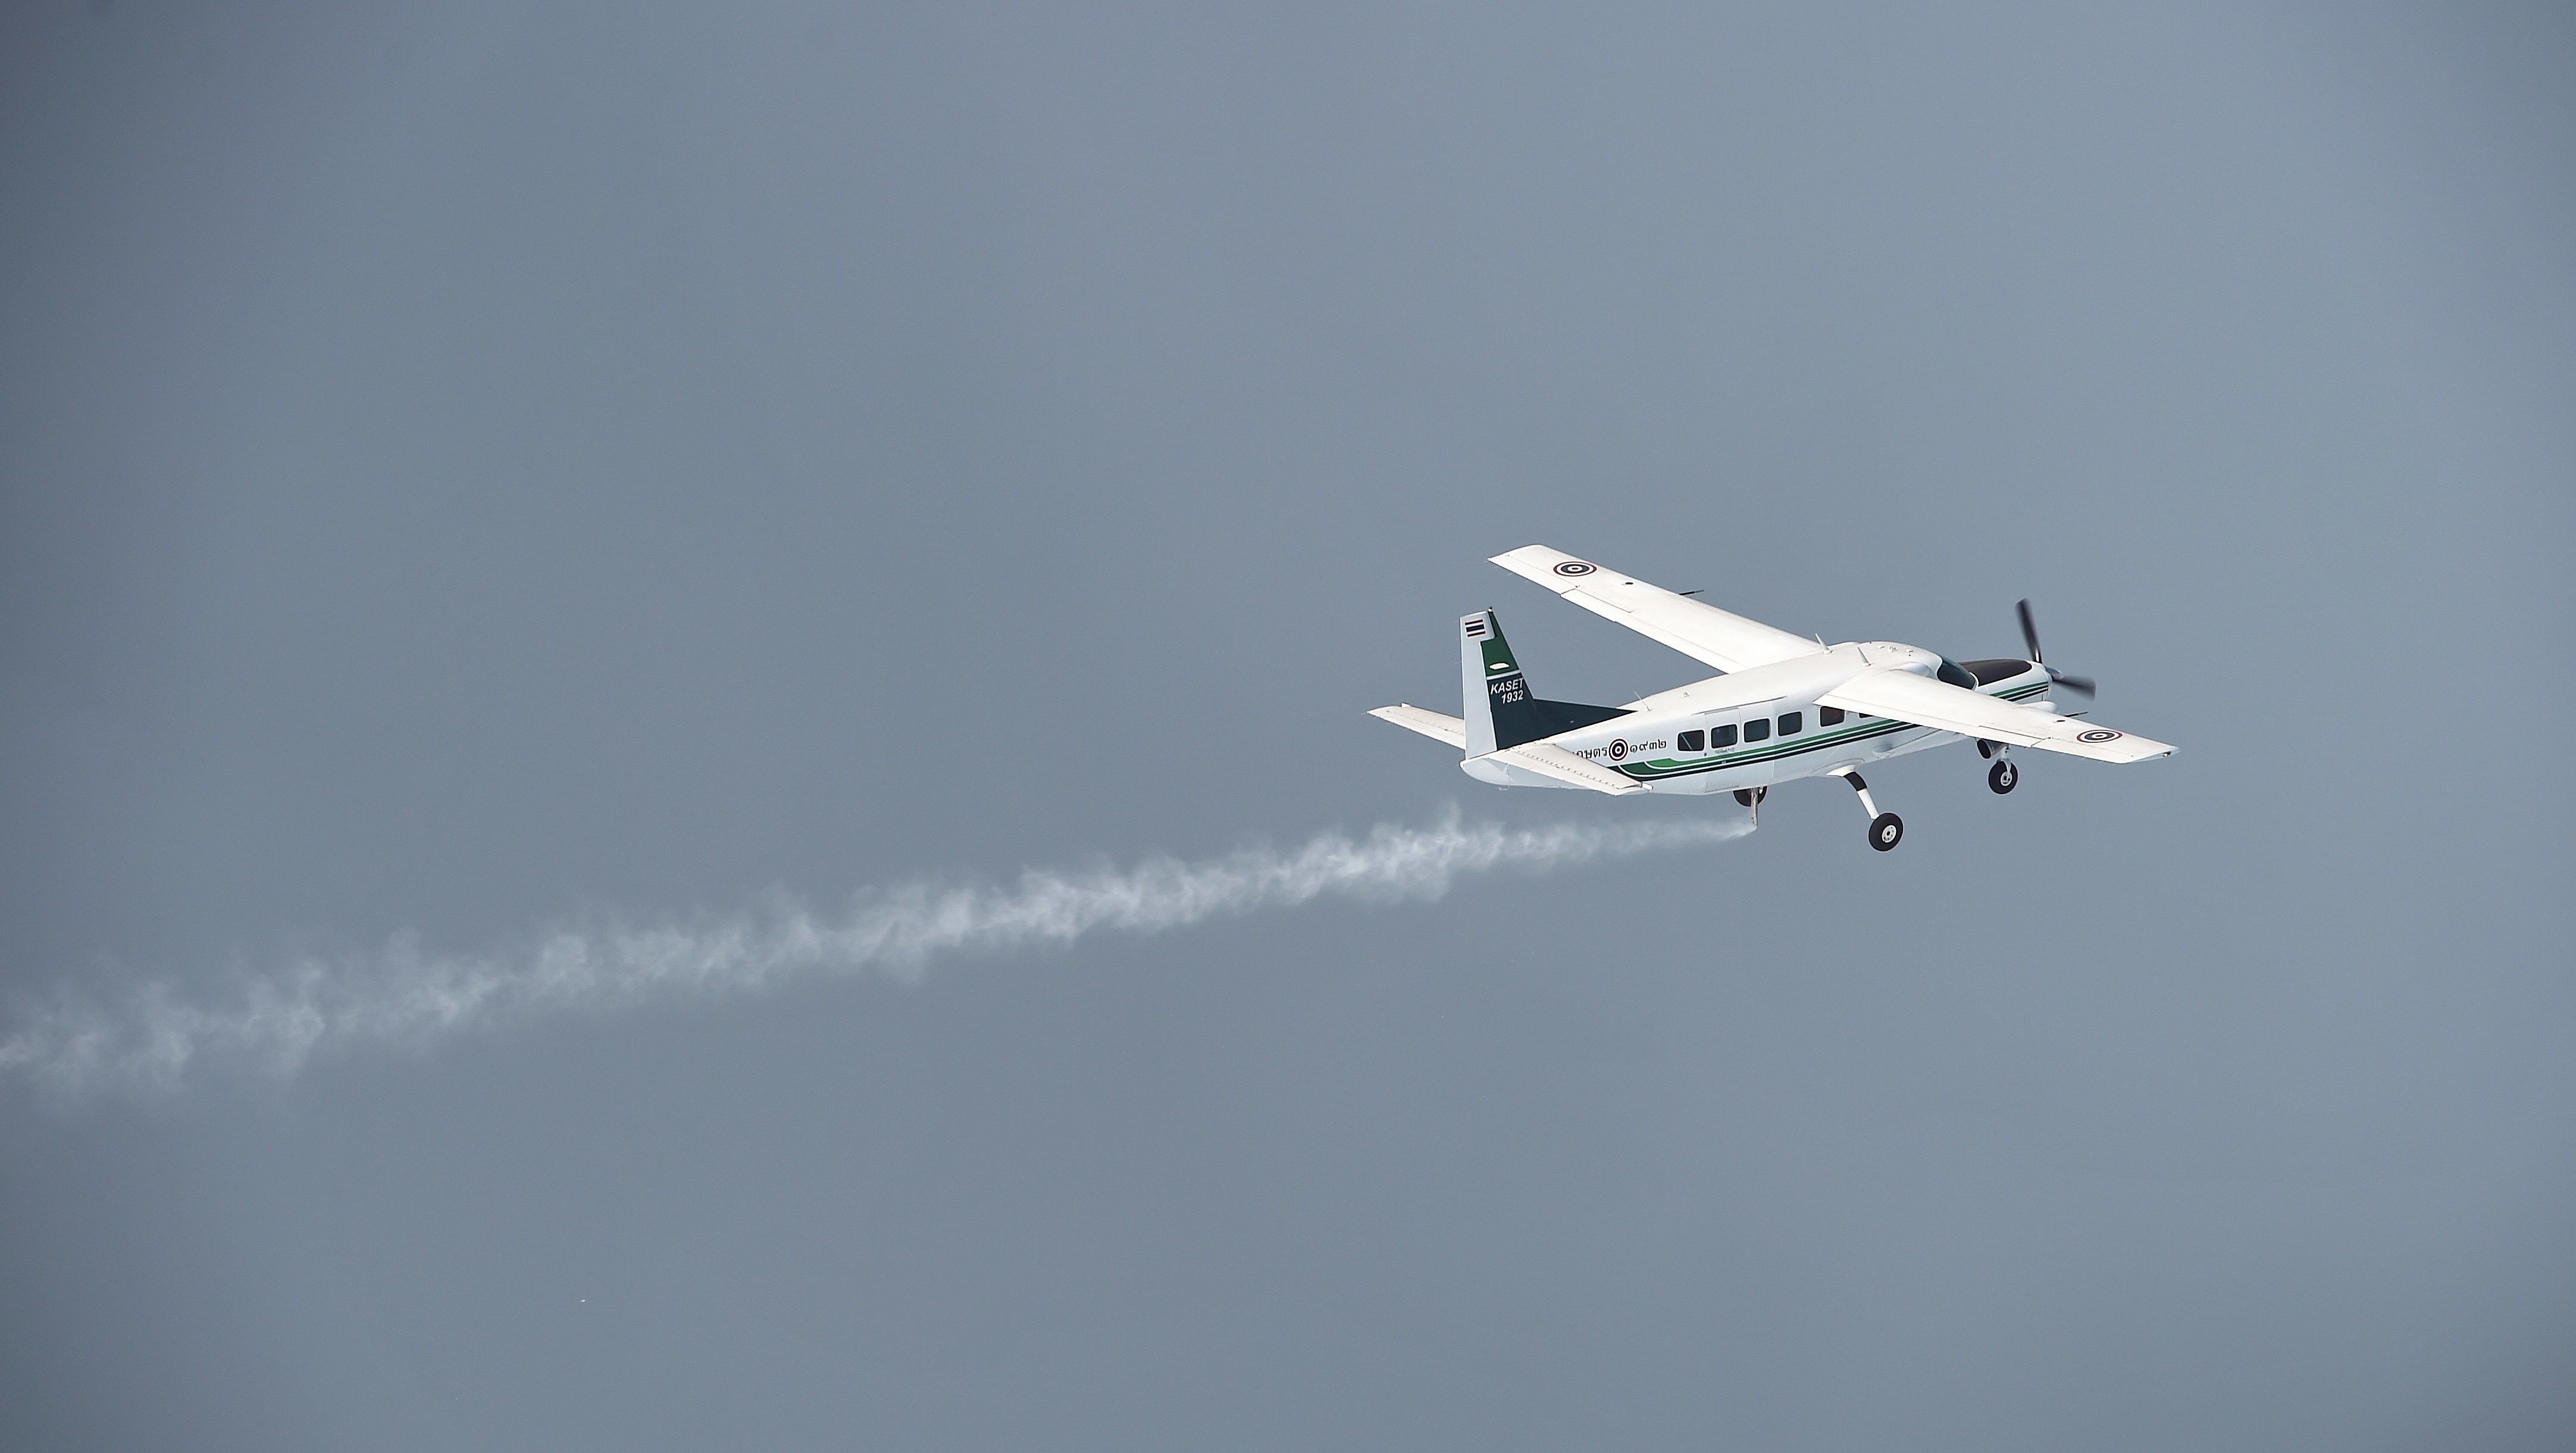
<point>1786,707</point>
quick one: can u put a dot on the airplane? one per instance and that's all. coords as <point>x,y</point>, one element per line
<point>1784,707</point>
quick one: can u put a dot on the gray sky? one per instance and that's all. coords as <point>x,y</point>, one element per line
<point>471,466</point>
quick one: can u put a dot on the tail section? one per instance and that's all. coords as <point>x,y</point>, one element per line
<point>1489,679</point>
<point>1501,712</point>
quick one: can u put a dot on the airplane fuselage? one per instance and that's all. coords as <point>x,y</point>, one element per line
<point>1764,725</point>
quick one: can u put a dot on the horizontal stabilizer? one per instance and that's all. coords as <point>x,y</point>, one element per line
<point>1554,761</point>
<point>1430,723</point>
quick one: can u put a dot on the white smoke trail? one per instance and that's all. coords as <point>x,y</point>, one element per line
<point>279,1019</point>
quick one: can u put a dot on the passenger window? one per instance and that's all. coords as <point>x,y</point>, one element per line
<point>1721,736</point>
<point>1757,730</point>
<point>1829,716</point>
<point>1792,723</point>
<point>1690,741</point>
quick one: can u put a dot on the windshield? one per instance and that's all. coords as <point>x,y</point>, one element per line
<point>1956,674</point>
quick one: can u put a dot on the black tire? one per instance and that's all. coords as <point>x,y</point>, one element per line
<point>1886,830</point>
<point>1747,796</point>
<point>2002,775</point>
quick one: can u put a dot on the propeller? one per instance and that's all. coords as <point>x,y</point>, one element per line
<point>2082,685</point>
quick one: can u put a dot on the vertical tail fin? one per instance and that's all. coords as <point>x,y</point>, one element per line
<point>1500,710</point>
<point>1488,677</point>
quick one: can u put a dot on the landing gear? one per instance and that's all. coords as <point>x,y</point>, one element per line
<point>1886,829</point>
<point>2002,775</point>
<point>1748,796</point>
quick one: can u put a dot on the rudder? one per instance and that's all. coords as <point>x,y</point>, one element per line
<point>1500,710</point>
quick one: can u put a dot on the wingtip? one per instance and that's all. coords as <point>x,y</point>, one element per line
<point>1544,564</point>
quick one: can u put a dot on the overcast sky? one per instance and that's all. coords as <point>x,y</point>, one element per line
<point>467,467</point>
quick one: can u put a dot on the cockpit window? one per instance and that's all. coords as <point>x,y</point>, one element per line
<point>1956,674</point>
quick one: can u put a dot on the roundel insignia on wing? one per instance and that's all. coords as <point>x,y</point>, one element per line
<point>1618,747</point>
<point>2098,735</point>
<point>1575,567</point>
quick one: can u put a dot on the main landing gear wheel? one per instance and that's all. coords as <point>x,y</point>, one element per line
<point>1747,796</point>
<point>2002,775</point>
<point>1886,830</point>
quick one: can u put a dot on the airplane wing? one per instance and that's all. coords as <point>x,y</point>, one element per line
<point>1701,632</point>
<point>1430,723</point>
<point>1564,766</point>
<point>1906,697</point>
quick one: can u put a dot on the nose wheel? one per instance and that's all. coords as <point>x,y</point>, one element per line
<point>2002,776</point>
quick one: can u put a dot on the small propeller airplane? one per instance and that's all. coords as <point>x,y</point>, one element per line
<point>1785,707</point>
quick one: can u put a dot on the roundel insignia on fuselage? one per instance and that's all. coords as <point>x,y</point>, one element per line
<point>1618,748</point>
<point>1575,567</point>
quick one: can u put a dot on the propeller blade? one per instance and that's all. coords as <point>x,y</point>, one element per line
<point>2082,685</point>
<point>2029,632</point>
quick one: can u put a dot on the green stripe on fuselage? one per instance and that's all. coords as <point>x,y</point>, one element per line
<point>1665,767</point>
